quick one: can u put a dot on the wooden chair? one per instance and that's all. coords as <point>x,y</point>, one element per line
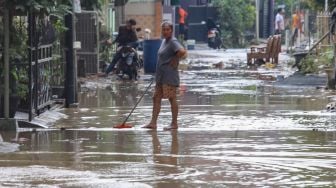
<point>274,55</point>
<point>261,52</point>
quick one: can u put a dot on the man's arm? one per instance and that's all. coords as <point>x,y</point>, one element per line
<point>133,36</point>
<point>121,31</point>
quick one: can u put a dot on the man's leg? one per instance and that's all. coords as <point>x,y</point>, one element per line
<point>181,33</point>
<point>134,44</point>
<point>294,37</point>
<point>115,59</point>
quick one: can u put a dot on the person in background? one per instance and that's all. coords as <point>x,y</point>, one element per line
<point>167,76</point>
<point>296,26</point>
<point>279,22</point>
<point>182,23</point>
<point>302,16</point>
<point>126,36</point>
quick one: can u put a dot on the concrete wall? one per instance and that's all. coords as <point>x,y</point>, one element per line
<point>143,8</point>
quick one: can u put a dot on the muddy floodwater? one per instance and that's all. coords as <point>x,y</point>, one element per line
<point>238,128</point>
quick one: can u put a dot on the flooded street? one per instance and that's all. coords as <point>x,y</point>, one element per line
<point>238,128</point>
<point>204,158</point>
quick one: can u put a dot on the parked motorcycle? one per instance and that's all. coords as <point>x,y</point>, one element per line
<point>129,64</point>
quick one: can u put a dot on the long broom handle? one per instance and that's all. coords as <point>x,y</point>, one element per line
<point>138,101</point>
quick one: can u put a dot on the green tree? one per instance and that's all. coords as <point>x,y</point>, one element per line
<point>319,4</point>
<point>92,4</point>
<point>236,18</point>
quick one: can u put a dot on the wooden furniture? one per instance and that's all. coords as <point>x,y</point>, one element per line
<point>269,53</point>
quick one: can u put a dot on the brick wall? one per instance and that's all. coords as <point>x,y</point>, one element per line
<point>158,19</point>
<point>150,18</point>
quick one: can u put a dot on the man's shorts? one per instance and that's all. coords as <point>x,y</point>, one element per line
<point>165,91</point>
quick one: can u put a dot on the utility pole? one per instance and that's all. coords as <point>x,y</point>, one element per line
<point>326,5</point>
<point>6,61</point>
<point>76,8</point>
<point>6,123</point>
<point>257,20</point>
<point>71,57</point>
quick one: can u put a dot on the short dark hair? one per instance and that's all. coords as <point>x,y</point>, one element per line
<point>131,22</point>
<point>279,10</point>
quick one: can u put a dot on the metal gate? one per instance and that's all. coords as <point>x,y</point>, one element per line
<point>197,28</point>
<point>39,67</point>
<point>87,33</point>
<point>266,19</point>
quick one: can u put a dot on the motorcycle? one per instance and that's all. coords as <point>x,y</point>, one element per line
<point>214,40</point>
<point>214,35</point>
<point>129,64</point>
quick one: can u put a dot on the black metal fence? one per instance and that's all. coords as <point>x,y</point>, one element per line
<point>87,33</point>
<point>39,65</point>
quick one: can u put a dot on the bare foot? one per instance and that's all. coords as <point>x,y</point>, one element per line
<point>171,127</point>
<point>150,126</point>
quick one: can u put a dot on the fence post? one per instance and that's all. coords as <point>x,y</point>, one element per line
<point>6,61</point>
<point>70,81</point>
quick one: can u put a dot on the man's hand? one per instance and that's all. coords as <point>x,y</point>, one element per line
<point>109,41</point>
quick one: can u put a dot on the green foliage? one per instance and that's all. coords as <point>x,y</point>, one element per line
<point>309,65</point>
<point>326,59</point>
<point>17,53</point>
<point>236,17</point>
<point>319,4</point>
<point>106,48</point>
<point>92,4</point>
<point>55,7</point>
<point>18,39</point>
<point>19,36</point>
<point>316,63</point>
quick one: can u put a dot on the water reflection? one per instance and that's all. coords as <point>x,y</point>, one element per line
<point>167,161</point>
<point>6,146</point>
<point>119,94</point>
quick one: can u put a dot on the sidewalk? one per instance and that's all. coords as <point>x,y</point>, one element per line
<point>45,120</point>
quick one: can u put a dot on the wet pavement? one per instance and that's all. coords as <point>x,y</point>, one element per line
<point>238,128</point>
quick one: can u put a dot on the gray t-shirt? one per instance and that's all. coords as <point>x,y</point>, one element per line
<point>165,73</point>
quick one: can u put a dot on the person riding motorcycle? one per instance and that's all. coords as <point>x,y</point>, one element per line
<point>211,24</point>
<point>126,37</point>
<point>214,34</point>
